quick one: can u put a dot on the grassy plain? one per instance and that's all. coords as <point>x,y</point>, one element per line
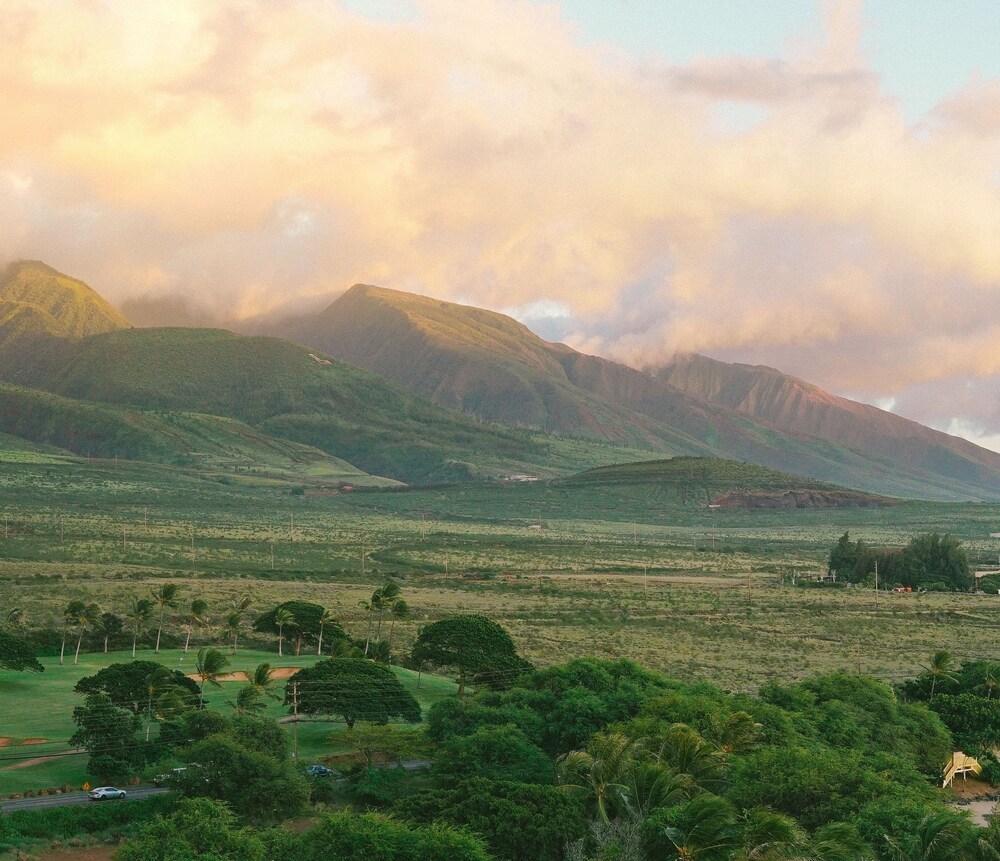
<point>569,568</point>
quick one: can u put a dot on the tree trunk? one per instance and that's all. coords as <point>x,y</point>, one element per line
<point>135,636</point>
<point>236,642</point>
<point>319,648</point>
<point>378,628</point>
<point>106,643</point>
<point>76,657</point>
<point>280,638</point>
<point>298,645</point>
<point>158,629</point>
<point>62,650</point>
<point>368,635</point>
<point>149,715</point>
<point>187,640</point>
<point>461,683</point>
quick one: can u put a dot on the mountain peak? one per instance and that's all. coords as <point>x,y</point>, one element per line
<point>68,306</point>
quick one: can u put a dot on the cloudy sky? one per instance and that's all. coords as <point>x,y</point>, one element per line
<point>810,185</point>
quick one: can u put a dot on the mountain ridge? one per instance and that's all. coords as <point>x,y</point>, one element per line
<point>494,367</point>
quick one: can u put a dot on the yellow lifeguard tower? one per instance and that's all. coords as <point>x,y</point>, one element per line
<point>960,764</point>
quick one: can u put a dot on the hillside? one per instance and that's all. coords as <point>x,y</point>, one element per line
<point>47,422</point>
<point>485,364</point>
<point>765,394</point>
<point>493,367</point>
<point>35,298</point>
<point>282,390</point>
<point>726,484</point>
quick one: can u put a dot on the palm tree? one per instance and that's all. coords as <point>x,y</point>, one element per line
<point>382,600</point>
<point>735,734</point>
<point>326,619</point>
<point>650,785</point>
<point>195,616</point>
<point>16,617</point>
<point>71,618</point>
<point>262,678</point>
<point>165,596</point>
<point>208,666</point>
<point>139,612</point>
<point>684,751</point>
<point>940,668</point>
<point>248,701</point>
<point>89,616</point>
<point>990,682</point>
<point>939,837</point>
<point>766,834</point>
<point>837,841</point>
<point>157,685</point>
<point>282,619</point>
<point>234,622</point>
<point>706,826</point>
<point>398,610</point>
<point>600,774</point>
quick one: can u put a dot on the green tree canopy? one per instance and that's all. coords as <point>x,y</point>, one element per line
<point>353,688</point>
<point>497,753</point>
<point>15,654</point>
<point>254,783</point>
<point>309,618</point>
<point>517,820</point>
<point>125,683</point>
<point>197,828</point>
<point>380,838</point>
<point>479,648</point>
<point>109,734</point>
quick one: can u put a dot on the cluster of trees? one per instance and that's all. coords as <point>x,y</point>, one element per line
<point>153,619</point>
<point>967,699</point>
<point>586,761</point>
<point>932,561</point>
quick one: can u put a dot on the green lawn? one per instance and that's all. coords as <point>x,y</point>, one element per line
<point>34,706</point>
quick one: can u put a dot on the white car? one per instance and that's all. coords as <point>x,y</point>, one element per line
<point>103,792</point>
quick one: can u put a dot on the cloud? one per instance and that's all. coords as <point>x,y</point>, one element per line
<point>248,156</point>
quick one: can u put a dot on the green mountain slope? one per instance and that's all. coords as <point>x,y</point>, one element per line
<point>57,304</point>
<point>284,391</point>
<point>181,439</point>
<point>491,366</point>
<point>488,365</point>
<point>795,406</point>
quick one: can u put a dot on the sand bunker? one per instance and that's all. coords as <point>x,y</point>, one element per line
<point>244,676</point>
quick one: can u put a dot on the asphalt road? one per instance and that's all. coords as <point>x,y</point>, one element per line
<point>72,799</point>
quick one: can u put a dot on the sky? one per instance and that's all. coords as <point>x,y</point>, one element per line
<point>813,186</point>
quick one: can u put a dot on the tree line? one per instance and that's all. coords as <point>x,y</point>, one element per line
<point>932,561</point>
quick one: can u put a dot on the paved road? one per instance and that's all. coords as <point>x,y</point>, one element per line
<point>72,799</point>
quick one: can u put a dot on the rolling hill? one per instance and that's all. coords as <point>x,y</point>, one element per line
<point>213,443</point>
<point>725,484</point>
<point>280,391</point>
<point>491,366</point>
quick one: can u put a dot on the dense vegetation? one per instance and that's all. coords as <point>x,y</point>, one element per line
<point>932,561</point>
